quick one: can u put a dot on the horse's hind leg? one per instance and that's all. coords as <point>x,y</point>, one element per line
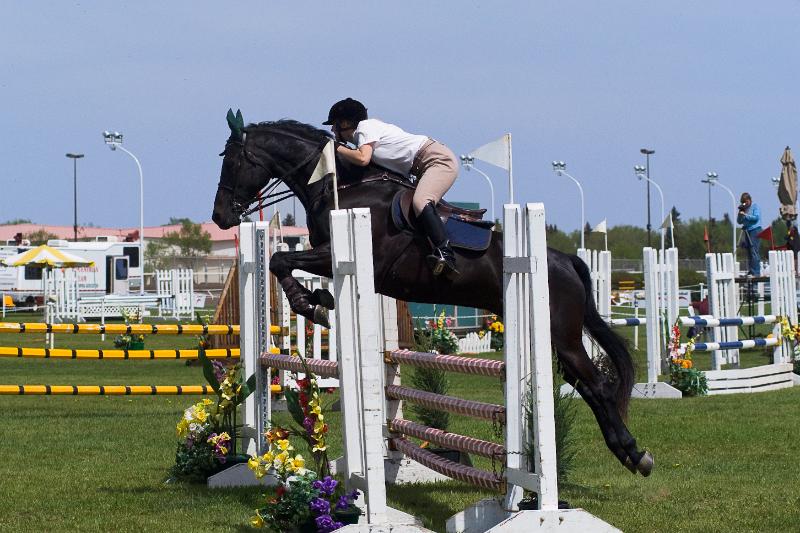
<point>599,393</point>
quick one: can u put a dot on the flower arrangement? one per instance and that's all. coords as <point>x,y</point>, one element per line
<point>208,429</point>
<point>440,339</point>
<point>305,500</point>
<point>130,341</point>
<point>497,329</point>
<point>682,374</point>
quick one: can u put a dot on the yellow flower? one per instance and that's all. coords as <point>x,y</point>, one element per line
<point>201,415</point>
<point>298,463</point>
<point>206,401</point>
<point>284,445</point>
<point>257,521</point>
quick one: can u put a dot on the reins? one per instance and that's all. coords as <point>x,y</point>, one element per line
<point>267,193</point>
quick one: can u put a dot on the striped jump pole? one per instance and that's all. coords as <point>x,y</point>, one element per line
<point>622,322</point>
<point>709,321</point>
<point>734,345</point>
<point>109,390</point>
<point>124,329</point>
<point>68,353</point>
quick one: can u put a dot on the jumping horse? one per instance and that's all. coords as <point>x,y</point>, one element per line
<point>258,157</point>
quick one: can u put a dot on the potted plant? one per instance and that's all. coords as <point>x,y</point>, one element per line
<point>497,329</point>
<point>436,338</point>
<point>564,413</point>
<point>208,430</point>
<point>133,341</point>
<point>305,500</point>
<point>682,374</point>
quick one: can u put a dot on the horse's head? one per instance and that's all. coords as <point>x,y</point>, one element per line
<point>258,154</point>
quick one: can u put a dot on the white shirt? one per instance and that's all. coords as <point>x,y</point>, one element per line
<point>394,148</point>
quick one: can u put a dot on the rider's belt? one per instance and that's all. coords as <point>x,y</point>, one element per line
<point>415,166</point>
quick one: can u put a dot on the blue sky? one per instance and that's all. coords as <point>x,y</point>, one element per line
<point>709,85</point>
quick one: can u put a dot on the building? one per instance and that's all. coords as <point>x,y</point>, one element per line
<point>223,242</point>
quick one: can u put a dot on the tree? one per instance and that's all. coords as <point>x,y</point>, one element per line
<point>288,220</point>
<point>15,221</point>
<point>189,242</point>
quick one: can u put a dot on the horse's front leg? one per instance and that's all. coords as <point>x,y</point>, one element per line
<point>312,305</point>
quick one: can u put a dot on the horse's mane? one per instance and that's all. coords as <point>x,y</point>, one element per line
<point>292,126</point>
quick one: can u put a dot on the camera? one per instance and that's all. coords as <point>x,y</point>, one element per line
<point>742,207</point>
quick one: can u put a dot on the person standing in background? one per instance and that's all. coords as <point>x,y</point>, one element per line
<point>750,218</point>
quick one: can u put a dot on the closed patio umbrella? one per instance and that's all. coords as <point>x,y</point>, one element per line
<point>787,187</point>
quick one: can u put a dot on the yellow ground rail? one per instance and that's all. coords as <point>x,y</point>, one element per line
<point>135,329</point>
<point>109,390</point>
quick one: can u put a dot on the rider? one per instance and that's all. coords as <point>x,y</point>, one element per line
<point>433,163</point>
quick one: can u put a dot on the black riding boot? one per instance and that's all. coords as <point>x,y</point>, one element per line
<point>442,258</point>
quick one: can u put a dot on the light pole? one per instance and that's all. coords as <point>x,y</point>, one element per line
<point>641,174</point>
<point>114,141</point>
<point>75,158</point>
<point>647,153</point>
<point>710,182</point>
<point>469,164</point>
<point>776,182</point>
<point>560,168</point>
<point>714,178</point>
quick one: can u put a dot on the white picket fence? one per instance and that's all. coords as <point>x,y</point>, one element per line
<point>474,343</point>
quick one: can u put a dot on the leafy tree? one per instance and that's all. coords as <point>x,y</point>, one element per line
<point>15,221</point>
<point>288,220</point>
<point>191,240</point>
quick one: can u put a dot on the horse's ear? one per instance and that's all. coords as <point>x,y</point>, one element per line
<point>240,119</point>
<point>235,123</point>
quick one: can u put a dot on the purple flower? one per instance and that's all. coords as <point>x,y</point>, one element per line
<point>326,486</point>
<point>345,500</point>
<point>320,506</point>
<point>325,524</point>
<point>308,424</point>
<point>219,370</point>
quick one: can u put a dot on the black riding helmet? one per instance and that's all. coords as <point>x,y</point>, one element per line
<point>347,109</point>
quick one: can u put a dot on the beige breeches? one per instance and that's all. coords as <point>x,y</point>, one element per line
<point>436,169</point>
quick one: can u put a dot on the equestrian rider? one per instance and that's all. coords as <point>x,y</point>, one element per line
<point>433,163</point>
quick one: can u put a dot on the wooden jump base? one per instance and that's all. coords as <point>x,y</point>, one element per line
<point>110,390</point>
<point>68,353</point>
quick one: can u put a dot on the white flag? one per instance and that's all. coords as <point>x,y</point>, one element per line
<point>600,228</point>
<point>326,164</point>
<point>496,152</point>
<point>667,221</point>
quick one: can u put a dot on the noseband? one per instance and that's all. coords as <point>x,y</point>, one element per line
<point>241,207</point>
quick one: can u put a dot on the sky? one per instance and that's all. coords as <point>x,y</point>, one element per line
<point>710,86</point>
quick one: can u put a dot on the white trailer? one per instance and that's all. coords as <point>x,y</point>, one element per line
<point>117,269</point>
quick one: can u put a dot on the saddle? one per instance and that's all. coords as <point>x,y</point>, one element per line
<point>465,227</point>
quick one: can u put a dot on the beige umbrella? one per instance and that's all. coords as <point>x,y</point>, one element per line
<point>787,187</point>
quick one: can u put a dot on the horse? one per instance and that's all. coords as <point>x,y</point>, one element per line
<point>259,156</point>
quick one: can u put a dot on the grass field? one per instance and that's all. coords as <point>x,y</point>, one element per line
<point>99,463</point>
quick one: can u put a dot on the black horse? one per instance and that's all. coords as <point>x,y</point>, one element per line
<point>260,156</point>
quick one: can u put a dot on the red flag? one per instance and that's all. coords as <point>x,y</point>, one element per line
<point>767,236</point>
<point>706,239</point>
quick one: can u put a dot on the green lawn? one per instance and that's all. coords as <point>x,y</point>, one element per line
<point>99,463</point>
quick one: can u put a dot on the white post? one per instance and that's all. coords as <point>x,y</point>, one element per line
<point>653,325</point>
<point>361,364</point>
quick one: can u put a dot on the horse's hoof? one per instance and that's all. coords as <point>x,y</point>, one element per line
<point>629,465</point>
<point>646,464</point>
<point>325,298</point>
<point>321,316</point>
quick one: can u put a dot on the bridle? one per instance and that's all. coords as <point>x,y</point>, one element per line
<point>242,207</point>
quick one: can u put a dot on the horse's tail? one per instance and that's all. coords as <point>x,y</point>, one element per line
<point>610,342</point>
